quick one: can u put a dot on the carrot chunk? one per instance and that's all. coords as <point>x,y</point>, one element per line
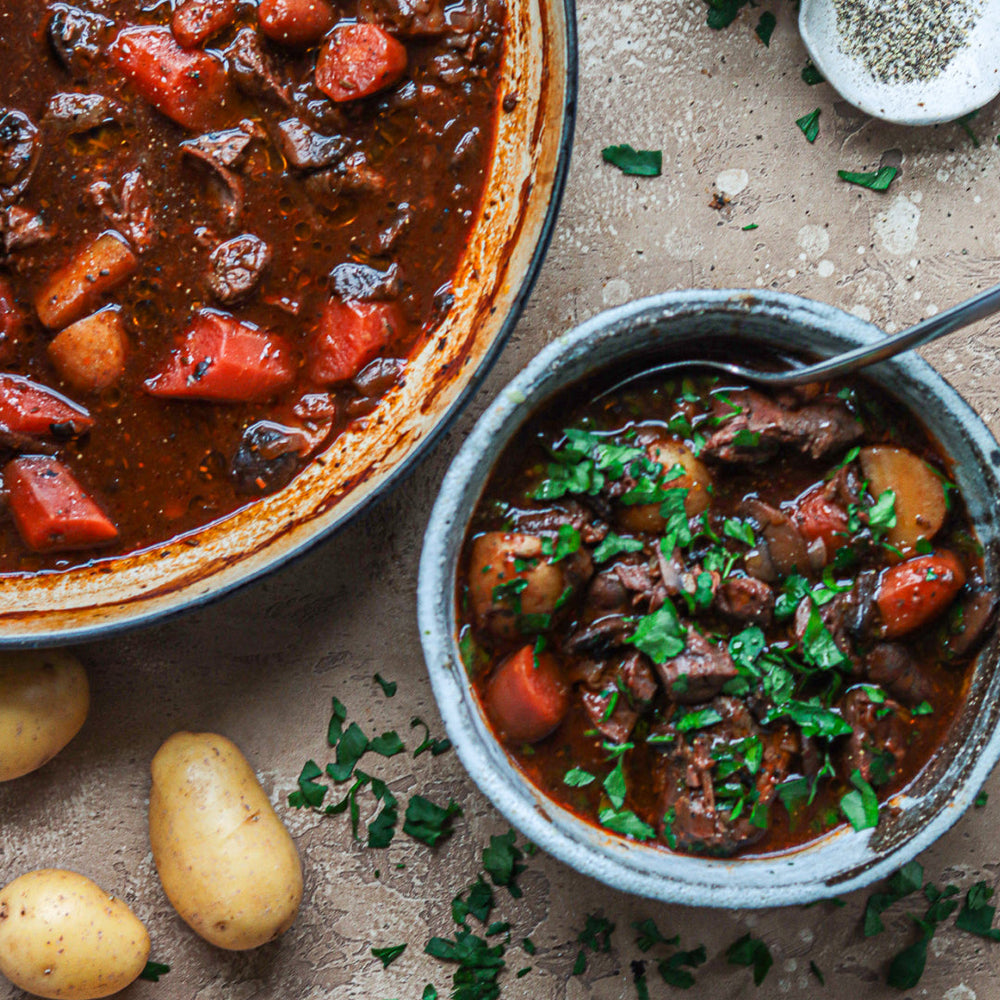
<point>818,517</point>
<point>527,697</point>
<point>195,21</point>
<point>297,23</point>
<point>914,592</point>
<point>359,60</point>
<point>349,335</point>
<point>187,86</point>
<point>74,290</point>
<point>32,409</point>
<point>51,509</point>
<point>90,354</point>
<point>225,361</point>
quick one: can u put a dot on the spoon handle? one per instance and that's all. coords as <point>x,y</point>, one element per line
<point>979,307</point>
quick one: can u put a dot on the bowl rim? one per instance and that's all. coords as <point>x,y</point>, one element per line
<point>564,148</point>
<point>613,860</point>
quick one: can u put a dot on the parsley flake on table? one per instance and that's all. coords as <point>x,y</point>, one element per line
<point>811,75</point>
<point>876,181</point>
<point>765,27</point>
<point>436,747</point>
<point>388,687</point>
<point>976,915</point>
<point>634,162</point>
<point>427,822</point>
<point>809,125</point>
<point>389,954</point>
<point>751,951</point>
<point>152,971</point>
<point>502,861</point>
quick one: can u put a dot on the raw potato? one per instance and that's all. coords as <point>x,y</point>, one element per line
<point>920,501</point>
<point>44,698</point>
<point>226,861</point>
<point>62,936</point>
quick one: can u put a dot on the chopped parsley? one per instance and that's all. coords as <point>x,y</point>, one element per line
<point>576,777</point>
<point>860,807</point>
<point>389,954</point>
<point>502,861</point>
<point>388,687</point>
<point>634,162</point>
<point>742,531</point>
<point>876,181</point>
<point>152,971</point>
<point>626,822</point>
<point>659,635</point>
<point>765,27</point>
<point>614,545</point>
<point>976,915</point>
<point>436,747</point>
<point>751,951</point>
<point>698,719</point>
<point>427,822</point>
<point>811,75</point>
<point>566,542</point>
<point>809,125</point>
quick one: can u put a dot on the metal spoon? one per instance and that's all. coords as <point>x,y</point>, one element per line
<point>969,80</point>
<point>985,304</point>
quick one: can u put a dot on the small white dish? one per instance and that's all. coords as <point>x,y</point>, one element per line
<point>970,80</point>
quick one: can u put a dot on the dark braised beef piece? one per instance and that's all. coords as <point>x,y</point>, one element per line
<point>746,599</point>
<point>19,150</point>
<point>970,619</point>
<point>363,283</point>
<point>693,809</point>
<point>128,208</point>
<point>22,228</point>
<point>78,37</point>
<point>307,149</point>
<point>698,673</point>
<point>781,549</point>
<point>267,458</point>
<point>253,70</point>
<point>815,429</point>
<point>893,666</point>
<point>236,267</point>
<point>75,114</point>
<point>881,733</point>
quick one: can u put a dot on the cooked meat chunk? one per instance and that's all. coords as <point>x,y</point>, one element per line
<point>128,209</point>
<point>356,282</point>
<point>267,458</point>
<point>236,267</point>
<point>226,148</point>
<point>351,175</point>
<point>22,228</point>
<point>75,114</point>
<point>970,619</point>
<point>379,376</point>
<point>78,37</point>
<point>780,548</point>
<point>695,812</point>
<point>698,673</point>
<point>892,665</point>
<point>815,429</point>
<point>746,599</point>
<point>307,149</point>
<point>878,742</point>
<point>253,70</point>
<point>610,713</point>
<point>637,675</point>
<point>18,153</point>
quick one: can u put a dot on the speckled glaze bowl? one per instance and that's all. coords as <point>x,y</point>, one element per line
<point>679,323</point>
<point>503,254</point>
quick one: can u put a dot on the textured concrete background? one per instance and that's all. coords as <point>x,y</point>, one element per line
<point>262,666</point>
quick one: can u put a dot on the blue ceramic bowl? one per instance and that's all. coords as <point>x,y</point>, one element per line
<point>840,861</point>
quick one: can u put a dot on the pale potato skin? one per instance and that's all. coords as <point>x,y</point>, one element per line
<point>920,501</point>
<point>62,936</point>
<point>44,700</point>
<point>226,861</point>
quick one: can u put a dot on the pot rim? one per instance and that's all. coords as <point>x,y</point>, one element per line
<point>851,859</point>
<point>103,630</point>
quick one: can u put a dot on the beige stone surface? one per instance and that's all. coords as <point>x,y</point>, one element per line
<point>262,666</point>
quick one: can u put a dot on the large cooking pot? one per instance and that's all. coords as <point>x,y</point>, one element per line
<point>505,250</point>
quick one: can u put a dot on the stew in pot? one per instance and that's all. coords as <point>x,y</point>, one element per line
<point>719,620</point>
<point>224,225</point>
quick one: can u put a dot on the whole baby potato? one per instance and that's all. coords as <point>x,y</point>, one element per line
<point>44,700</point>
<point>226,861</point>
<point>62,936</point>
